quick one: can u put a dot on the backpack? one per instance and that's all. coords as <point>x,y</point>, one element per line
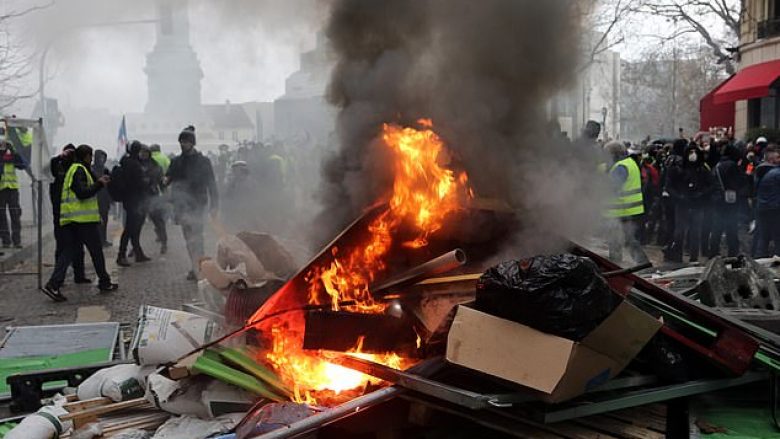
<point>117,189</point>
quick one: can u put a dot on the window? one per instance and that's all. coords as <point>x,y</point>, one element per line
<point>765,112</point>
<point>235,136</point>
<point>221,135</point>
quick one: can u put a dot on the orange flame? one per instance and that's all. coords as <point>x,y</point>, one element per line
<point>424,192</point>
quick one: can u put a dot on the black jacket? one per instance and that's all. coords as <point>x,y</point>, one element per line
<point>690,183</point>
<point>728,172</point>
<point>81,187</point>
<point>58,165</point>
<point>193,187</point>
<point>133,176</point>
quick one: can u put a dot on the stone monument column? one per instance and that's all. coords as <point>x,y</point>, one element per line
<point>172,68</point>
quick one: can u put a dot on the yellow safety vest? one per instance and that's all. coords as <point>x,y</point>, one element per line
<point>9,179</point>
<point>630,201</point>
<point>72,209</point>
<point>26,138</point>
<point>162,160</point>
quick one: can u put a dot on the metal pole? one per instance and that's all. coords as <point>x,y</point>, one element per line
<point>40,232</point>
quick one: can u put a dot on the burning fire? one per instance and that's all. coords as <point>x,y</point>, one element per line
<point>424,192</point>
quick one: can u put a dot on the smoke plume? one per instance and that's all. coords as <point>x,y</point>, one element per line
<point>484,72</point>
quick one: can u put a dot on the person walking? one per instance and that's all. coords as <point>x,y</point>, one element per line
<point>79,218</point>
<point>153,204</point>
<point>627,208</point>
<point>768,204</point>
<point>730,189</point>
<point>133,204</point>
<point>104,199</point>
<point>689,187</point>
<point>9,195</point>
<point>193,190</point>
<point>59,165</point>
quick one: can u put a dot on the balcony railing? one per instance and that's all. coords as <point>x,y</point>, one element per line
<point>769,28</point>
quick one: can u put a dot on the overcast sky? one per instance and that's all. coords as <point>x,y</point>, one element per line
<point>247,48</point>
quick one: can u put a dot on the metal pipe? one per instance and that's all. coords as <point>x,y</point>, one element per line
<point>442,264</point>
<point>629,270</point>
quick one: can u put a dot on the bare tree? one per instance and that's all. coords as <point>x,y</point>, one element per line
<point>16,63</point>
<point>609,22</point>
<point>702,18</point>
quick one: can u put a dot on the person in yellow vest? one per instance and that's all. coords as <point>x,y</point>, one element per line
<point>626,209</point>
<point>80,221</point>
<point>9,195</point>
<point>160,158</point>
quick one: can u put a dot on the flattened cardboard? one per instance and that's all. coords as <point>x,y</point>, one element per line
<point>507,349</point>
<point>559,368</point>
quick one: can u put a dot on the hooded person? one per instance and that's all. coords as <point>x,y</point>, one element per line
<point>79,218</point>
<point>767,187</point>
<point>104,199</point>
<point>193,191</point>
<point>671,165</point>
<point>153,203</point>
<point>731,188</point>
<point>135,198</point>
<point>58,166</point>
<point>626,210</point>
<point>689,187</point>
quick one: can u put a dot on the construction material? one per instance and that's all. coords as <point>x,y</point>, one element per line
<point>46,423</point>
<point>248,364</point>
<point>338,331</point>
<point>27,389</point>
<point>224,373</point>
<point>442,264</point>
<point>120,383</point>
<point>34,348</point>
<point>164,335</point>
<point>187,427</point>
<point>738,283</point>
<point>734,346</point>
<point>557,367</point>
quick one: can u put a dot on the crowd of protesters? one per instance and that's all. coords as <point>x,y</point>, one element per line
<point>146,185</point>
<point>691,192</point>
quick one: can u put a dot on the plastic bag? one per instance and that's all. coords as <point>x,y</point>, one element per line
<point>563,295</point>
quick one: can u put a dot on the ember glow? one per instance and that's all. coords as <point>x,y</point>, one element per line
<point>424,192</point>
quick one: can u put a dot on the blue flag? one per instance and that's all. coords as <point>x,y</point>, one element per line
<point>121,146</point>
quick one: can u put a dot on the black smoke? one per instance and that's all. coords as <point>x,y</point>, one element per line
<point>484,71</point>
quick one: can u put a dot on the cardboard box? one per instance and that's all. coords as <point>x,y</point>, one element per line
<point>558,368</point>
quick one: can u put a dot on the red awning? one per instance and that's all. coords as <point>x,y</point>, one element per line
<point>712,115</point>
<point>749,83</point>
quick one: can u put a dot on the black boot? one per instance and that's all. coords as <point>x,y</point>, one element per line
<point>140,256</point>
<point>121,260</point>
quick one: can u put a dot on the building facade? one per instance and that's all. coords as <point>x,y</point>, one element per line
<point>754,89</point>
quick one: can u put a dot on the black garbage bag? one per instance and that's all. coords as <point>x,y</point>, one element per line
<point>563,295</point>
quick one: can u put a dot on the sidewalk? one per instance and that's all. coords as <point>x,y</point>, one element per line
<point>160,282</point>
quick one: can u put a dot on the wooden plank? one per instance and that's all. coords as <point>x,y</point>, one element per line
<point>79,406</point>
<point>617,428</point>
<point>640,418</point>
<point>110,408</point>
<point>570,430</point>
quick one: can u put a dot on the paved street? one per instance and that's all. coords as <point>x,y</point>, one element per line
<point>160,282</point>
